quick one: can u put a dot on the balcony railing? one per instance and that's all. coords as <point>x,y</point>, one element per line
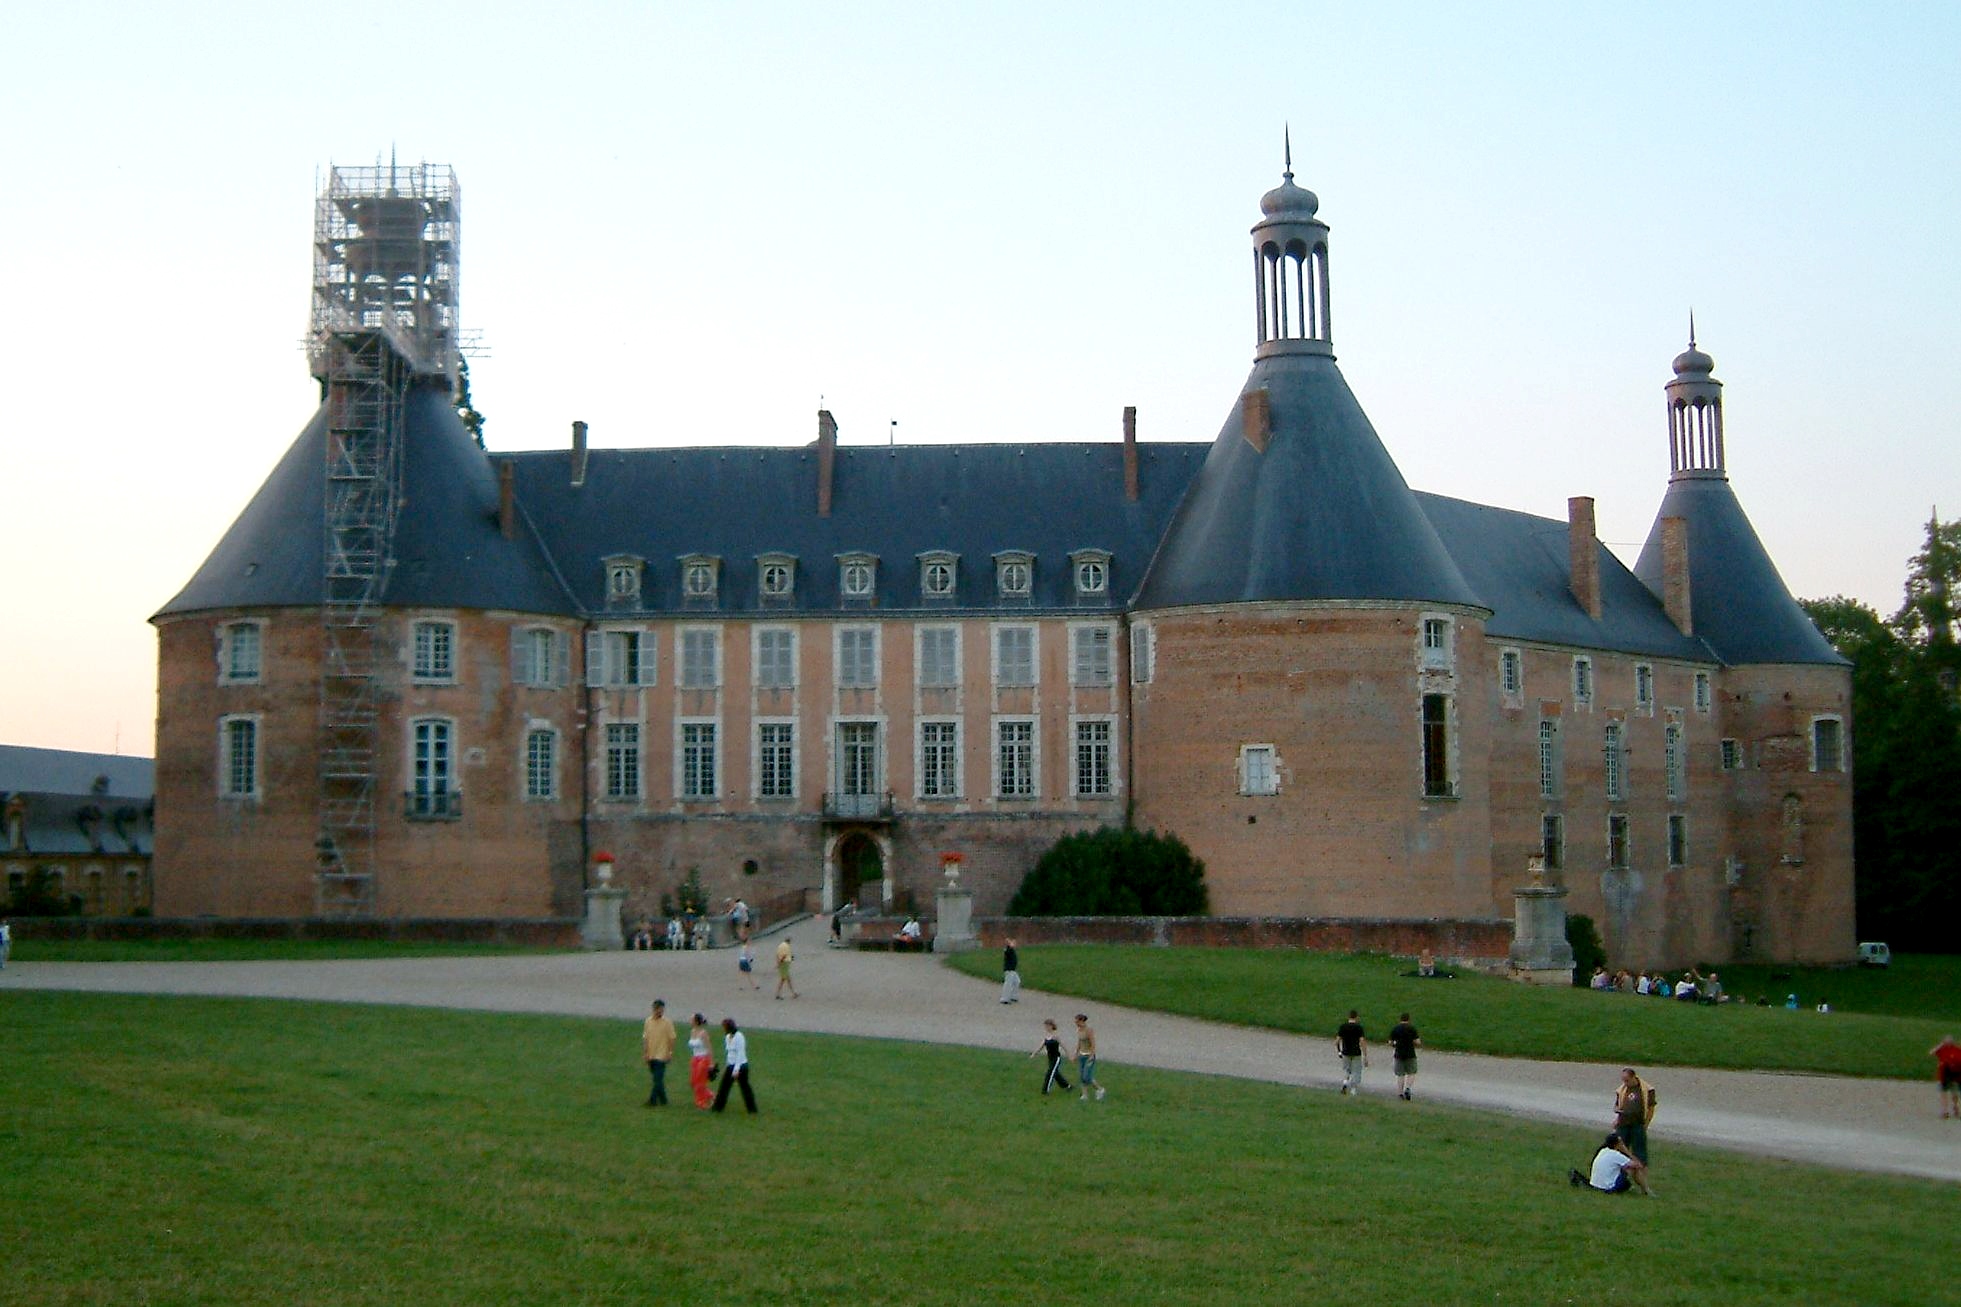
<point>858,807</point>
<point>432,805</point>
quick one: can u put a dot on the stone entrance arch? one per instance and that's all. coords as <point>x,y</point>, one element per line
<point>857,869</point>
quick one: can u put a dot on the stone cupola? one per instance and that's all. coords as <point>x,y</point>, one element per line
<point>1290,269</point>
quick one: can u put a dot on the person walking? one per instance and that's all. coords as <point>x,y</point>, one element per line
<point>1947,1072</point>
<point>735,1067</point>
<point>657,1046</point>
<point>1631,1114</point>
<point>700,1061</point>
<point>745,963</point>
<point>1086,1059</point>
<point>1403,1043</point>
<point>1352,1046</point>
<point>6,942</point>
<point>739,919</point>
<point>783,957</point>
<point>1051,1046</point>
<point>1010,974</point>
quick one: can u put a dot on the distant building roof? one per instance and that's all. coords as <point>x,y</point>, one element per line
<point>63,771</point>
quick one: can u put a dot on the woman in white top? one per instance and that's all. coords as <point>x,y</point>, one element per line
<point>700,1061</point>
<point>735,1067</point>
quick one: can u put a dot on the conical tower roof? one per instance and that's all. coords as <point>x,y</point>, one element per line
<point>448,549</point>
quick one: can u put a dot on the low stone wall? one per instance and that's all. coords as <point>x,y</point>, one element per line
<point>538,932</point>
<point>1478,942</point>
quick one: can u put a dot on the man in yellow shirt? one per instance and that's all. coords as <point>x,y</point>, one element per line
<point>657,1046</point>
<point>783,970</point>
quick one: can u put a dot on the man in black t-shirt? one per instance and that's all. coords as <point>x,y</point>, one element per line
<point>1010,975</point>
<point>1353,1047</point>
<point>1403,1042</point>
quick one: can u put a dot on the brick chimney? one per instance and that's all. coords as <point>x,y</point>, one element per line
<point>578,453</point>
<point>1130,452</point>
<point>1675,573</point>
<point>1256,417</point>
<point>1584,549</point>
<point>507,499</point>
<point>827,453</point>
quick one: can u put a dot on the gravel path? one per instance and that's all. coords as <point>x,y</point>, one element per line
<point>1869,1125</point>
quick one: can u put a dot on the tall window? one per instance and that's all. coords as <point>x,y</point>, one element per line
<point>1258,770</point>
<point>701,662</point>
<point>242,651</point>
<point>1014,655</point>
<point>1827,749</point>
<point>1732,755</point>
<point>541,764</point>
<point>1436,642</point>
<point>698,760</point>
<point>1552,840</point>
<point>1616,759</point>
<point>620,658</point>
<point>858,656</point>
<point>939,656</point>
<point>776,658</point>
<point>1090,655</point>
<point>1016,748</point>
<point>776,761</point>
<point>238,757</point>
<point>1436,747</point>
<point>1511,673</point>
<point>1548,758</point>
<point>432,767</point>
<point>1671,760</point>
<point>939,760</point>
<point>537,656</point>
<point>1583,681</point>
<point>1702,695</point>
<point>1678,840</point>
<point>1143,653</point>
<point>622,760</point>
<point>1093,759</point>
<point>1617,840</point>
<point>435,651</point>
<point>1644,687</point>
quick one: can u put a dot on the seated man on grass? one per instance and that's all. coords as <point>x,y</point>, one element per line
<point>1615,1170</point>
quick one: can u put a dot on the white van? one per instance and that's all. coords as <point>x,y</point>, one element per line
<point>1875,955</point>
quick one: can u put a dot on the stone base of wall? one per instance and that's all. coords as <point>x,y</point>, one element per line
<point>544,932</point>
<point>1467,943</point>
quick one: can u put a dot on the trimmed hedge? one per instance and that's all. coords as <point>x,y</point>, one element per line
<point>1114,872</point>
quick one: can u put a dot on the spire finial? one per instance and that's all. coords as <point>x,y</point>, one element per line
<point>1691,328</point>
<point>1287,144</point>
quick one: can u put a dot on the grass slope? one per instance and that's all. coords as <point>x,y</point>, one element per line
<point>1287,989</point>
<point>194,1151</point>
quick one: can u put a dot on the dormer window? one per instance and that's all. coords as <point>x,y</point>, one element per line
<point>776,578</point>
<point>700,577</point>
<point>623,580</point>
<point>857,576</point>
<point>1014,575</point>
<point>939,574</point>
<point>1092,567</point>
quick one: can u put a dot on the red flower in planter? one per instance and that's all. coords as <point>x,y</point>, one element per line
<point>602,856</point>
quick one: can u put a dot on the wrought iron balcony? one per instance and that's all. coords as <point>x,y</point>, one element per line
<point>858,807</point>
<point>432,805</point>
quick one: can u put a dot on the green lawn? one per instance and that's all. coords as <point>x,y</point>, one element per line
<point>1916,985</point>
<point>254,950</point>
<point>1288,989</point>
<point>193,1151</point>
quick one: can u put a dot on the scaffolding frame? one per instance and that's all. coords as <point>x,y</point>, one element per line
<point>384,317</point>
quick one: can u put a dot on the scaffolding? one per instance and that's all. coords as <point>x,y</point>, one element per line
<point>384,316</point>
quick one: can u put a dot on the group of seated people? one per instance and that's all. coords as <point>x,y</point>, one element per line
<point>680,934</point>
<point>1693,987</point>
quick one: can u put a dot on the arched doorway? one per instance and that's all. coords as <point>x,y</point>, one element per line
<point>860,871</point>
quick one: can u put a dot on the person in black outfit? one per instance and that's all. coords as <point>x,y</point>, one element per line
<point>1010,974</point>
<point>1051,1045</point>
<point>1353,1047</point>
<point>735,1067</point>
<point>1403,1043</point>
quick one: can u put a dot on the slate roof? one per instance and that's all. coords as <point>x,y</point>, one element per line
<point>65,771</point>
<point>448,550</point>
<point>59,786</point>
<point>1737,600</point>
<point>1323,513</point>
<point>892,502</point>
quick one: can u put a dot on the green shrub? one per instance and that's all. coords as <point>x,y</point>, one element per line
<point>1588,952</point>
<point>40,897</point>
<point>1114,872</point>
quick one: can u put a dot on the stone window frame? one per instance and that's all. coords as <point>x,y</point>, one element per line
<point>1550,758</point>
<point>1437,741</point>
<point>1673,762</point>
<point>622,783</point>
<point>443,654</point>
<point>1552,840</point>
<point>1730,754</point>
<point>229,646</point>
<point>856,634</point>
<point>954,771</point>
<point>1583,681</point>
<point>1031,776</point>
<point>227,765</point>
<point>939,576</point>
<point>1704,696</point>
<point>1113,785</point>
<point>528,774</point>
<point>691,674</point>
<point>857,577</point>
<point>1644,689</point>
<point>1090,574</point>
<point>1613,755</point>
<point>606,659</point>
<point>776,578</point>
<point>525,673</point>
<point>686,768</point>
<point>1268,780</point>
<point>762,660</point>
<point>1620,842</point>
<point>1082,642</point>
<point>1436,642</point>
<point>1676,839</point>
<point>922,664</point>
<point>1014,575</point>
<point>625,577</point>
<point>1816,738</point>
<point>1511,676</point>
<point>761,773</point>
<point>701,580</point>
<point>427,802</point>
<point>995,634</point>
<point>1143,652</point>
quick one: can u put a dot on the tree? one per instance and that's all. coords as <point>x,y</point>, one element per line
<point>1117,871</point>
<point>472,420</point>
<point>1906,750</point>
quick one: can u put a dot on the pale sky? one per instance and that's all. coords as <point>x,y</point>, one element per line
<point>687,223</point>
